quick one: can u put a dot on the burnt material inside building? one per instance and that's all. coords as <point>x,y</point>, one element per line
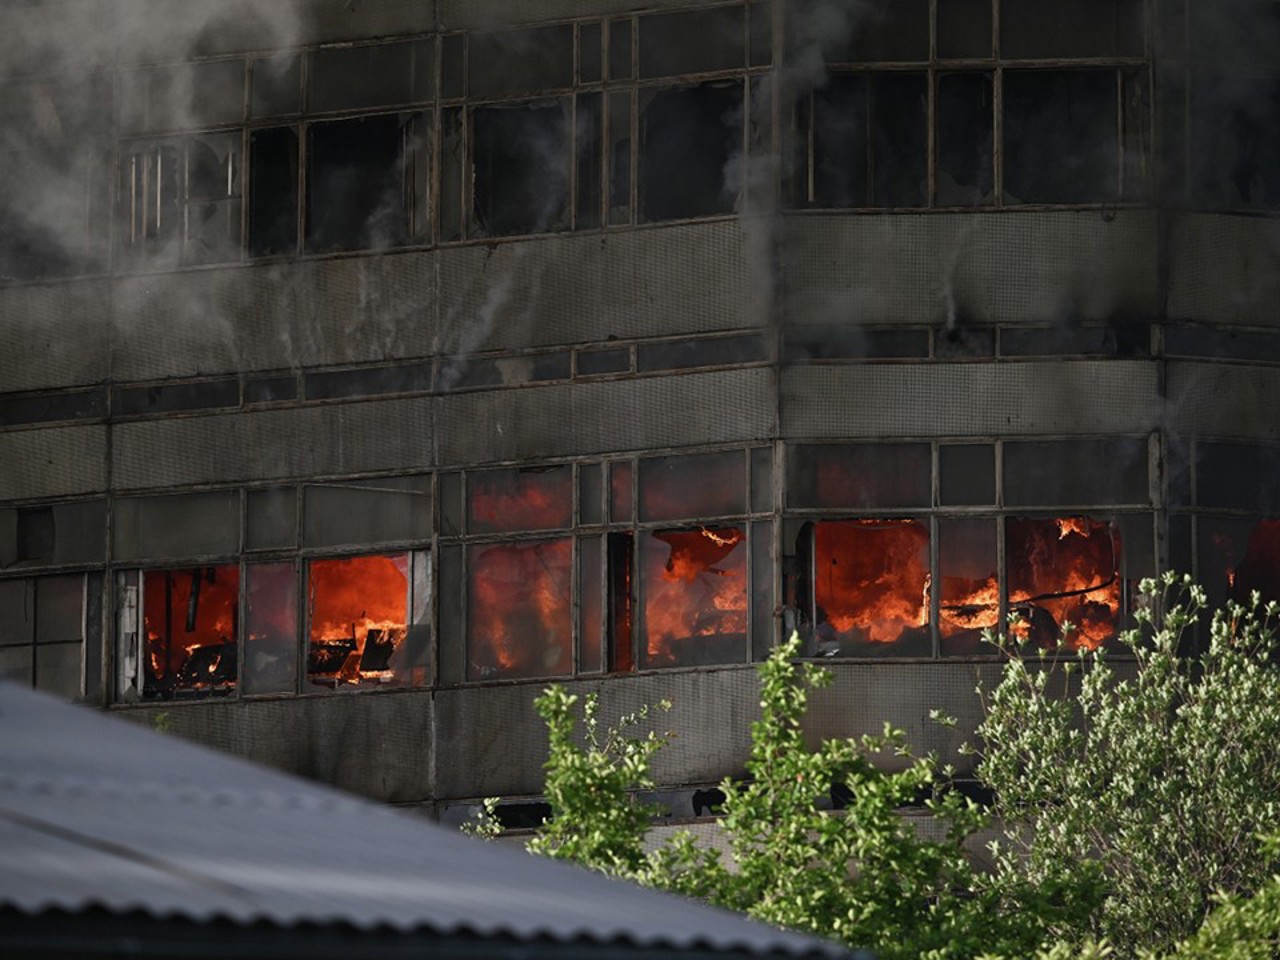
<point>368,366</point>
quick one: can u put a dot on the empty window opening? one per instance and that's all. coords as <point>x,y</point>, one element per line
<point>871,588</point>
<point>964,140</point>
<point>1064,570</point>
<point>870,141</point>
<point>1061,136</point>
<point>358,621</point>
<point>519,621</point>
<point>366,183</point>
<point>688,138</point>
<point>190,617</point>
<point>273,191</point>
<point>693,587</point>
<point>1236,141</point>
<point>521,168</point>
<point>1239,557</point>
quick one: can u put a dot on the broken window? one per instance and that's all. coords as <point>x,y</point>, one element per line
<point>273,191</point>
<point>688,138</point>
<point>366,621</point>
<point>519,621</point>
<point>870,141</point>
<point>1236,141</point>
<point>180,199</point>
<point>870,587</point>
<point>1061,136</point>
<point>190,625</point>
<point>964,140</point>
<point>367,183</point>
<point>693,585</point>
<point>1064,570</point>
<point>521,163</point>
<point>1237,557</point>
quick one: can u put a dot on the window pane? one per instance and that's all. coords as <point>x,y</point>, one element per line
<point>863,475</point>
<point>871,588</point>
<point>277,86</point>
<point>271,633</point>
<point>384,74</point>
<point>969,597</point>
<point>965,138</point>
<point>676,43</point>
<point>693,487</point>
<point>589,146</point>
<point>1237,557</point>
<point>501,501</point>
<point>191,618</point>
<point>518,610</point>
<point>621,606</point>
<point>1082,28</point>
<point>1060,136</point>
<point>515,62</point>
<point>521,168</point>
<point>964,28</point>
<point>1084,472</point>
<point>693,588</point>
<point>687,137</point>
<point>590,606</point>
<point>358,619</point>
<point>1064,569</point>
<point>273,191</point>
<point>1235,158</point>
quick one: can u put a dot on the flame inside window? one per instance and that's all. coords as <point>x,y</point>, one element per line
<point>969,593</point>
<point>871,587</point>
<point>190,618</point>
<point>1061,570</point>
<point>693,585</point>
<point>358,620</point>
<point>518,619</point>
<point>1255,568</point>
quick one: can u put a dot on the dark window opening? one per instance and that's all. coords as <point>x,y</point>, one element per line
<point>621,609</point>
<point>273,196</point>
<point>365,183</point>
<point>191,618</point>
<point>693,596</point>
<point>1083,28</point>
<point>1236,141</point>
<point>688,138</point>
<point>1061,136</point>
<point>965,140</point>
<point>358,622</point>
<point>870,141</point>
<point>519,619</point>
<point>521,167</point>
<point>870,587</point>
<point>1064,570</point>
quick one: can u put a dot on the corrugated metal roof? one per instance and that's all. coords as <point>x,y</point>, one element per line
<point>98,813</point>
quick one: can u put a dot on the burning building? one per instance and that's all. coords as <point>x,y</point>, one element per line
<point>369,365</point>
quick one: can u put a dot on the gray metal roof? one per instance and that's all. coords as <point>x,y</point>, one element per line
<point>99,814</point>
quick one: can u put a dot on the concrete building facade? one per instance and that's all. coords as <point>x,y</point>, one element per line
<point>367,365</point>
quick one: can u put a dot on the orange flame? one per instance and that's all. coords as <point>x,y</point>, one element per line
<point>352,599</point>
<point>518,622</point>
<point>170,646</point>
<point>694,586</point>
<point>507,500</point>
<point>871,578</point>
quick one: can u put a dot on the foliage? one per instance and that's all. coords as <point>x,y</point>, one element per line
<point>1148,783</point>
<point>863,876</point>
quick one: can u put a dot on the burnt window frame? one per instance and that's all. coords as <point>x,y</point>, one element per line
<point>1134,183</point>
<point>797,603</point>
<point>127,577</point>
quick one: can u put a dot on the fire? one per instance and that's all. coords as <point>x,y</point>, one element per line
<point>505,500</point>
<point>1259,568</point>
<point>871,580</point>
<point>190,619</point>
<point>694,588</point>
<point>518,622</point>
<point>358,618</point>
<point>968,604</point>
<point>1064,570</point>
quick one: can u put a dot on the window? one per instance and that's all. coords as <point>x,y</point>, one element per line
<point>522,167</point>
<point>1070,132</point>
<point>47,625</point>
<point>190,631</point>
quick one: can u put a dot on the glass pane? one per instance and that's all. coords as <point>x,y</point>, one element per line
<point>619,49</point>
<point>521,167</point>
<point>1237,557</point>
<point>358,619</point>
<point>619,157</point>
<point>968,474</point>
<point>500,501</point>
<point>620,490</point>
<point>590,493</point>
<point>1083,28</point>
<point>864,475</point>
<point>871,588</point>
<point>345,78</point>
<point>621,607</point>
<point>58,669</point>
<point>518,610</point>
<point>964,28</point>
<point>589,147</point>
<point>191,619</point>
<point>1063,569</point>
<point>693,588</point>
<point>965,140</point>
<point>969,597</point>
<point>590,606</point>
<point>527,60</point>
<point>277,86</point>
<point>693,42</point>
<point>271,628</point>
<point>590,57</point>
<point>692,487</point>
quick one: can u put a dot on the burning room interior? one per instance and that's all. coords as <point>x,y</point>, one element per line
<point>368,367</point>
